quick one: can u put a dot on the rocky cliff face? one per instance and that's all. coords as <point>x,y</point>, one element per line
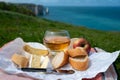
<point>36,9</point>
<point>24,8</point>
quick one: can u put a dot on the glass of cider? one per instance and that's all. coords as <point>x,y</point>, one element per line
<point>56,40</point>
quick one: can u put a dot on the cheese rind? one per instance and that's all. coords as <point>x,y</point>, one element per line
<point>35,51</point>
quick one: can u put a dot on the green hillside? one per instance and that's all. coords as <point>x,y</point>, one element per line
<point>13,25</point>
<point>16,8</point>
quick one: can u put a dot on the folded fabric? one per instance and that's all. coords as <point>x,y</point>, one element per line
<point>102,58</point>
<point>6,76</point>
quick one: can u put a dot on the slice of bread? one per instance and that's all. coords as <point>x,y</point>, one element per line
<point>35,51</point>
<point>59,60</point>
<point>80,62</point>
<point>78,51</point>
<point>20,60</point>
<point>78,58</point>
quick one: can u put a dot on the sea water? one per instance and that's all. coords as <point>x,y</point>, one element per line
<point>100,18</point>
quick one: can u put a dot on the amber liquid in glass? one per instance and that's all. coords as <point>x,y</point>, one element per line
<point>57,43</point>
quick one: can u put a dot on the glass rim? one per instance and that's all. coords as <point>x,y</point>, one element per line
<point>55,30</point>
<point>57,33</point>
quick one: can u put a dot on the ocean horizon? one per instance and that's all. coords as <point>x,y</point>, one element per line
<point>99,18</point>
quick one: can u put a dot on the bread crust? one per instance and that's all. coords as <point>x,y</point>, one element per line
<point>62,63</point>
<point>76,52</point>
<point>78,58</point>
<point>78,64</point>
<point>20,60</point>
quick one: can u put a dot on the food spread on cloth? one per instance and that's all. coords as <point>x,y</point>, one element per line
<point>20,54</point>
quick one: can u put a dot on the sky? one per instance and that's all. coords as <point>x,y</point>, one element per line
<point>70,2</point>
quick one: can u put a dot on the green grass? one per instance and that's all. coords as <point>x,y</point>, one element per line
<point>13,25</point>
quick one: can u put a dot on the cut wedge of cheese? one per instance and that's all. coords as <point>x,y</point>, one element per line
<point>35,61</point>
<point>39,61</point>
<point>45,62</point>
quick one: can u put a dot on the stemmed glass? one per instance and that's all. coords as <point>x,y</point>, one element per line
<point>56,40</point>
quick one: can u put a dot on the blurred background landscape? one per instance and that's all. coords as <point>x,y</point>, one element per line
<point>97,21</point>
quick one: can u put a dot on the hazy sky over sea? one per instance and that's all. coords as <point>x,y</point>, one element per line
<point>70,2</point>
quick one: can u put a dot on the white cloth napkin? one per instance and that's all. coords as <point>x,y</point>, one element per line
<point>99,62</point>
